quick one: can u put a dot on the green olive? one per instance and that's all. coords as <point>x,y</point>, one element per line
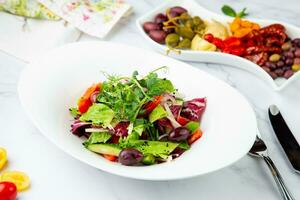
<point>189,24</point>
<point>172,40</point>
<point>197,20</point>
<point>184,44</point>
<point>185,16</point>
<point>199,28</point>
<point>185,32</point>
<point>148,160</point>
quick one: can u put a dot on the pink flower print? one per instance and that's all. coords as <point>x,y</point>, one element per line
<point>85,17</point>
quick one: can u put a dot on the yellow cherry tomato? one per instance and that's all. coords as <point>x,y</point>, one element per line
<point>20,179</point>
<point>3,157</point>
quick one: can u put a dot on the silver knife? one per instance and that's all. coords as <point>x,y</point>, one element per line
<point>285,137</point>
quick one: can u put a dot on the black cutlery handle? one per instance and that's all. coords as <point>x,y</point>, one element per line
<point>285,137</point>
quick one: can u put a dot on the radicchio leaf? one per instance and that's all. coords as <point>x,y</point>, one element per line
<point>78,128</point>
<point>121,129</point>
<point>164,125</point>
<point>175,109</point>
<point>193,109</point>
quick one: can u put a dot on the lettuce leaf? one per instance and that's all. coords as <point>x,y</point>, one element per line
<point>139,126</point>
<point>74,112</point>
<point>155,148</point>
<point>98,137</point>
<point>98,114</point>
<point>158,113</point>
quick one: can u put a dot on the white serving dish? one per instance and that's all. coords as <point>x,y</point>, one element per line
<point>53,83</point>
<point>216,57</point>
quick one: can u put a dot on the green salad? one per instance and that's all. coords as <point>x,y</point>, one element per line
<point>137,120</point>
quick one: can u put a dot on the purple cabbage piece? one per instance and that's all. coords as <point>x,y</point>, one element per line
<point>121,129</point>
<point>78,128</point>
<point>193,109</point>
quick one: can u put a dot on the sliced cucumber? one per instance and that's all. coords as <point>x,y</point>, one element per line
<point>109,149</point>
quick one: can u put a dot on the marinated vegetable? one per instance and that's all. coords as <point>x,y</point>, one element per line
<point>270,47</point>
<point>138,121</point>
<point>176,27</point>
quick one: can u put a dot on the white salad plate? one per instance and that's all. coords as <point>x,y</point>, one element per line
<point>216,57</point>
<point>54,82</point>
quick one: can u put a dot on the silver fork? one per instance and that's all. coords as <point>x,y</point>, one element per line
<point>259,149</point>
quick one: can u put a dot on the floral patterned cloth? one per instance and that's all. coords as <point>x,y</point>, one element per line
<point>94,17</point>
<point>27,8</point>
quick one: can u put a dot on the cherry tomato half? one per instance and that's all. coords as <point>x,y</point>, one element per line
<point>8,191</point>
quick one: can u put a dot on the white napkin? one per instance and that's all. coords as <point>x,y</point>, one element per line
<point>29,39</point>
<point>94,17</point>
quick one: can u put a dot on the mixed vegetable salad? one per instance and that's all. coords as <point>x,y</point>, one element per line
<point>137,120</point>
<point>270,47</point>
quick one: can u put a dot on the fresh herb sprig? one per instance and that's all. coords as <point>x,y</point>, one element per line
<point>229,11</point>
<point>127,95</point>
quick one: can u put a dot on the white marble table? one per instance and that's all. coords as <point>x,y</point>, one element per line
<point>56,175</point>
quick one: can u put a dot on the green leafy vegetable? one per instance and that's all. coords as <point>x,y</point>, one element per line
<point>125,99</point>
<point>229,11</point>
<point>242,13</point>
<point>74,112</point>
<point>132,136</point>
<point>98,114</point>
<point>156,86</point>
<point>126,95</point>
<point>139,126</point>
<point>158,113</point>
<point>97,137</point>
<point>151,131</point>
<point>184,145</point>
<point>192,126</point>
<point>155,148</point>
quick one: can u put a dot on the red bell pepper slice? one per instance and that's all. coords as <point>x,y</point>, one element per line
<point>152,104</point>
<point>182,120</point>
